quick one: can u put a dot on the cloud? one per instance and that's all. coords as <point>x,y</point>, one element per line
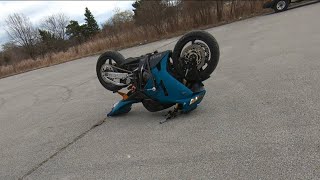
<point>38,10</point>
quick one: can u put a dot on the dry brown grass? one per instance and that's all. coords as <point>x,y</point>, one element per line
<point>136,35</point>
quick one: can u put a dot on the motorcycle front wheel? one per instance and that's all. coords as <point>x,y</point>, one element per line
<point>199,49</point>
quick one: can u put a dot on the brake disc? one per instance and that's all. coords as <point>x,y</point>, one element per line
<point>196,53</point>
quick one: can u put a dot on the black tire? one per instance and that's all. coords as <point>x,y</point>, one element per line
<point>209,40</point>
<point>284,5</point>
<point>118,59</point>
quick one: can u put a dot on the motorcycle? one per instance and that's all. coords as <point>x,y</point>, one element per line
<point>160,80</point>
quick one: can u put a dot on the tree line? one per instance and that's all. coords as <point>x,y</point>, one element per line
<point>57,32</point>
<point>153,19</point>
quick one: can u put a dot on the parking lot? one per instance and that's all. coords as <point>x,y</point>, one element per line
<point>260,118</point>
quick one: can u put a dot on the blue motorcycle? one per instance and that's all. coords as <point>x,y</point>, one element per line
<point>160,80</point>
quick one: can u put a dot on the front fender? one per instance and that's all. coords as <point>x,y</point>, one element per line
<point>121,107</point>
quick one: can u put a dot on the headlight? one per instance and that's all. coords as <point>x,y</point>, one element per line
<point>193,100</point>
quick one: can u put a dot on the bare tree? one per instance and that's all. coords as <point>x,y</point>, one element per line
<point>56,24</point>
<point>151,13</point>
<point>119,22</point>
<point>122,16</point>
<point>22,31</point>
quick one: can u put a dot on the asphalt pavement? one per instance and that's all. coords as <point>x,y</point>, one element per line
<point>260,118</point>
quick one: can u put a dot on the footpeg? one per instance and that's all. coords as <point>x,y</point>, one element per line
<point>171,114</point>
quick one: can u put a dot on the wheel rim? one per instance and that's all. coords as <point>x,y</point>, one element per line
<point>205,53</point>
<point>106,68</point>
<point>281,5</point>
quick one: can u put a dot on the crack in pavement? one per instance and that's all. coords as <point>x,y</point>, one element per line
<point>61,149</point>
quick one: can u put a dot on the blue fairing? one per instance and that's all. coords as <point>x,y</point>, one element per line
<point>168,91</point>
<point>121,107</point>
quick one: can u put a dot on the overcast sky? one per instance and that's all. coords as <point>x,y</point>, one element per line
<point>37,10</point>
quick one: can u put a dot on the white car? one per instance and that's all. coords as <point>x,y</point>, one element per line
<point>279,5</point>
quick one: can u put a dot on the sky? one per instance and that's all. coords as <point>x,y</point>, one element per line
<point>38,10</point>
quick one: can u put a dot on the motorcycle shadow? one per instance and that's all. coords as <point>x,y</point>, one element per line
<point>140,115</point>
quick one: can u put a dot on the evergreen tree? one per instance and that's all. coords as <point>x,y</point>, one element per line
<point>85,31</point>
<point>48,42</point>
<point>136,5</point>
<point>75,31</point>
<point>46,36</point>
<point>91,25</point>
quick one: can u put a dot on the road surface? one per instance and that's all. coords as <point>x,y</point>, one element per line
<point>260,118</point>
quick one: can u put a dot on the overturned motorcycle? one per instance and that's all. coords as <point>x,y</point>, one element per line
<point>162,79</point>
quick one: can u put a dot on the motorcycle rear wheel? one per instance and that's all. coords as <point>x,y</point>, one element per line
<point>112,58</point>
<point>204,40</point>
